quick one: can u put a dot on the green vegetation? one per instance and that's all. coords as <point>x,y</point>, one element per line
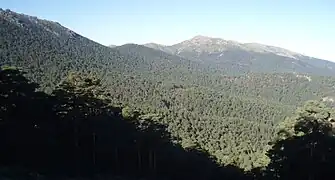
<point>73,100</point>
<point>304,148</point>
<point>76,132</point>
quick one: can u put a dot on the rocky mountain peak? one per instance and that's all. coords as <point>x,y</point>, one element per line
<point>204,40</point>
<point>200,38</point>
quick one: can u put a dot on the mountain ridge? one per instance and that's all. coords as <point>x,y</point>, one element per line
<point>228,56</point>
<point>207,40</point>
<point>254,56</point>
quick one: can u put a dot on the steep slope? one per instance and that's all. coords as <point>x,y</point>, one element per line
<point>247,57</point>
<point>48,51</point>
<point>157,60</point>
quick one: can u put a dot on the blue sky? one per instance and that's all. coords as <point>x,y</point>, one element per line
<point>304,26</point>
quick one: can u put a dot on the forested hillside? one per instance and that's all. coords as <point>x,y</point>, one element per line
<point>49,51</point>
<point>76,132</point>
<point>218,116</point>
<point>238,114</point>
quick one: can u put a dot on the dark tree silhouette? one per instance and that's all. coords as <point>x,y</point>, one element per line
<point>25,119</point>
<point>306,148</point>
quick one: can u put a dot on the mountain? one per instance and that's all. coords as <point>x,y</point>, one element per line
<point>48,51</point>
<point>246,57</point>
<point>223,97</point>
<point>158,60</point>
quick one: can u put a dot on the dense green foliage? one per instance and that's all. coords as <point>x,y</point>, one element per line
<point>233,119</point>
<point>76,132</point>
<point>304,148</point>
<point>230,113</point>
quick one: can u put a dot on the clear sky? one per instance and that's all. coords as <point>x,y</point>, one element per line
<point>304,26</point>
